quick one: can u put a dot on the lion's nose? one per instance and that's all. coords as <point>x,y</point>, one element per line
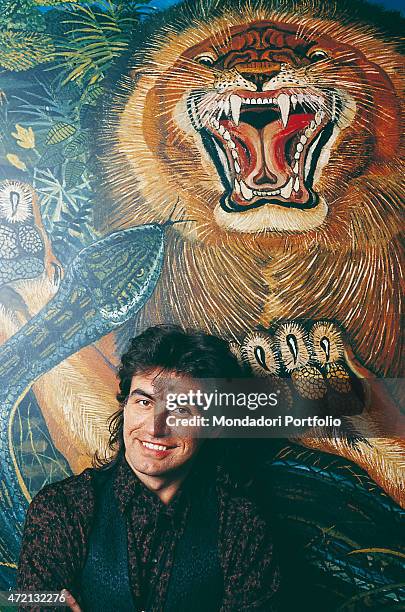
<point>260,77</point>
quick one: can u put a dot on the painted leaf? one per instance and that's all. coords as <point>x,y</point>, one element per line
<point>16,161</point>
<point>53,2</point>
<point>50,159</point>
<point>92,94</point>
<point>73,173</point>
<point>25,137</point>
<point>60,132</point>
<point>77,146</point>
<point>21,50</point>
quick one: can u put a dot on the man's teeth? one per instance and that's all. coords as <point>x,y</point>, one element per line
<point>158,447</point>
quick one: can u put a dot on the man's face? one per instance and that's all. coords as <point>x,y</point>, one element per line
<point>152,447</point>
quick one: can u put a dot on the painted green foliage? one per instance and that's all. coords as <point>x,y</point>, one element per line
<point>54,57</point>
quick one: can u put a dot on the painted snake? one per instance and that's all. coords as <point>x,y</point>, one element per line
<point>105,285</point>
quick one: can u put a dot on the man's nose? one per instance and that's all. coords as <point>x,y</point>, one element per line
<point>158,426</point>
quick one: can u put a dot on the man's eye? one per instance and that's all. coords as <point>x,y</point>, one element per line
<point>143,402</point>
<point>182,410</point>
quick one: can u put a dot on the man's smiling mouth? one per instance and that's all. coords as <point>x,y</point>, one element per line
<point>156,447</point>
<point>266,146</point>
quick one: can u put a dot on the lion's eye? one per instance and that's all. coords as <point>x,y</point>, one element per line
<point>318,55</point>
<point>206,59</point>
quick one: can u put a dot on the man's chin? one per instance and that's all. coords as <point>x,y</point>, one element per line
<point>149,466</point>
<point>159,469</point>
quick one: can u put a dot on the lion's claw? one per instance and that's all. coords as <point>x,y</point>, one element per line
<point>311,357</point>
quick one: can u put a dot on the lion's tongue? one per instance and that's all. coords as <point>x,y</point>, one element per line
<point>262,152</point>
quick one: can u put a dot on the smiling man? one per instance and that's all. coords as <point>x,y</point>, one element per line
<point>161,525</point>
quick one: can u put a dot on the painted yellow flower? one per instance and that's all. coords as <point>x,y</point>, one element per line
<point>16,161</point>
<point>25,137</point>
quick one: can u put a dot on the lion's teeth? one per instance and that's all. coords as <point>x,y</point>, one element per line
<point>262,194</point>
<point>223,159</point>
<point>195,116</point>
<point>227,107</point>
<point>285,192</point>
<point>297,184</point>
<point>308,160</point>
<point>237,186</point>
<point>246,191</point>
<point>236,103</point>
<point>333,107</point>
<point>318,117</point>
<point>284,103</point>
<point>295,169</point>
<point>220,108</point>
<point>237,167</point>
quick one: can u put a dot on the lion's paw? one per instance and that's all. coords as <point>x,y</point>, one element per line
<point>308,362</point>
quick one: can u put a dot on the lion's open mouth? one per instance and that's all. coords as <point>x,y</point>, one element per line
<point>266,149</point>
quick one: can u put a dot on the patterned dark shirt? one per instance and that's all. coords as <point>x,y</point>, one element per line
<point>59,521</point>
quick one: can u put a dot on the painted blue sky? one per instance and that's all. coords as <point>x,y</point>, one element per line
<point>398,5</point>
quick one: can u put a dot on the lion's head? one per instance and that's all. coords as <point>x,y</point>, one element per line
<point>257,120</point>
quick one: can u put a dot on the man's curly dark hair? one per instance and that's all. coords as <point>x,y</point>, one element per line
<point>169,348</point>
